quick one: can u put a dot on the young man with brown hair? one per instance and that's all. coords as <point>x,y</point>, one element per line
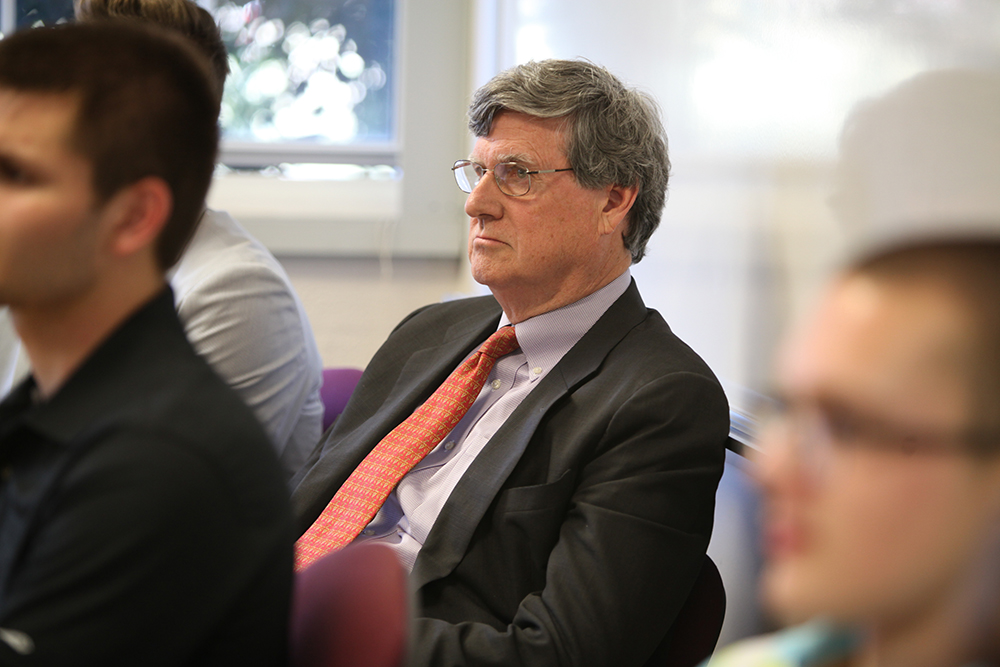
<point>143,516</point>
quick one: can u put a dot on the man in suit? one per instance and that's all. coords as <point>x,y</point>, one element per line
<point>565,517</point>
<point>144,517</point>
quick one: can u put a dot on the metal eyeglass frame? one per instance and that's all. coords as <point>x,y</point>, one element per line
<point>500,172</point>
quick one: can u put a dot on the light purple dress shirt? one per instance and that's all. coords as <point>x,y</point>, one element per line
<point>409,513</point>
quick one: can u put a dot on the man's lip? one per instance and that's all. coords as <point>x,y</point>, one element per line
<point>784,537</point>
<point>486,239</point>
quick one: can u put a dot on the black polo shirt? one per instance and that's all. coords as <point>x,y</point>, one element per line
<point>143,516</point>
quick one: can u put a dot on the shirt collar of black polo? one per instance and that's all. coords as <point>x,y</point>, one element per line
<point>101,387</point>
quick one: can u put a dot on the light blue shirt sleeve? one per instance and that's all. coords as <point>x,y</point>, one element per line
<point>10,345</point>
<point>241,314</point>
<point>814,644</point>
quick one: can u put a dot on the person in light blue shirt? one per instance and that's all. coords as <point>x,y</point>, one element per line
<point>9,347</point>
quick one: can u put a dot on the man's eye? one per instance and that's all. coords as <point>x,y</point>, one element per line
<point>480,170</point>
<point>844,428</point>
<point>520,172</point>
<point>12,173</point>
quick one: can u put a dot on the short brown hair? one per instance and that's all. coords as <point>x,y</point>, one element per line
<point>147,107</point>
<point>184,16</point>
<point>970,267</point>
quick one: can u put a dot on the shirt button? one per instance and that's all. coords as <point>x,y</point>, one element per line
<point>368,532</point>
<point>537,370</point>
<point>450,445</point>
<point>497,384</point>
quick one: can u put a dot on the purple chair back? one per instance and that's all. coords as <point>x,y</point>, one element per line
<point>338,383</point>
<point>351,609</point>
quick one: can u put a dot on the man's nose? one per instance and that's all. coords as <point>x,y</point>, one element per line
<point>485,200</point>
<point>781,467</point>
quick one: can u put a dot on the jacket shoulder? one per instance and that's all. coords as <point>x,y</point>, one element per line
<point>455,311</point>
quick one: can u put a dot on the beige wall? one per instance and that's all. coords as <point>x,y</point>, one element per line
<point>353,304</point>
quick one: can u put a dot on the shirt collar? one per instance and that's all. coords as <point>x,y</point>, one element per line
<point>94,391</point>
<point>545,338</point>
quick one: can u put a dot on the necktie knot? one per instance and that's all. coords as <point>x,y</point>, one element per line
<point>502,342</point>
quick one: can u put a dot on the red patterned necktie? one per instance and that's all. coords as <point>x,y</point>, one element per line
<point>358,501</point>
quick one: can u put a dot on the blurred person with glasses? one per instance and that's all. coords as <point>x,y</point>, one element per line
<point>880,466</point>
<point>565,517</point>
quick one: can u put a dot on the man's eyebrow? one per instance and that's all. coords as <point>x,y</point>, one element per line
<point>519,158</point>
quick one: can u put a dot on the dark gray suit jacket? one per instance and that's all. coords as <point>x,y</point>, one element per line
<point>575,536</point>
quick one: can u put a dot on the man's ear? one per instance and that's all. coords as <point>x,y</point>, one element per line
<point>618,203</point>
<point>138,213</point>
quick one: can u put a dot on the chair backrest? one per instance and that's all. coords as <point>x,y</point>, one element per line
<point>693,636</point>
<point>338,383</point>
<point>351,609</point>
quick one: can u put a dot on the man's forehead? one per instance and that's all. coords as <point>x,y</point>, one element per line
<point>518,137</point>
<point>46,114</point>
<point>872,339</point>
<point>37,133</point>
<point>498,155</point>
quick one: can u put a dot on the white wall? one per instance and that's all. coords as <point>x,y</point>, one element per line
<point>754,96</point>
<point>354,303</point>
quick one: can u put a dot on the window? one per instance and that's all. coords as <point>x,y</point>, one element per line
<point>754,96</point>
<point>309,80</point>
<point>308,71</point>
<point>338,100</point>
<point>41,12</point>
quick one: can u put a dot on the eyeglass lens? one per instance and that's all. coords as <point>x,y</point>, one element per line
<point>511,179</point>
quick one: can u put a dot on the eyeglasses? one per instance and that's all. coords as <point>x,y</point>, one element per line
<point>511,178</point>
<point>817,431</point>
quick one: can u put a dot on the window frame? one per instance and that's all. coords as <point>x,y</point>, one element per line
<point>249,154</point>
<point>419,214</point>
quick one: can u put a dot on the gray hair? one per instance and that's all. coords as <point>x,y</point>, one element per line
<point>615,135</point>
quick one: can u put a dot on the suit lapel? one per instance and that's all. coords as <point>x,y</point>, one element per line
<point>366,421</point>
<point>449,538</point>
<point>425,370</point>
